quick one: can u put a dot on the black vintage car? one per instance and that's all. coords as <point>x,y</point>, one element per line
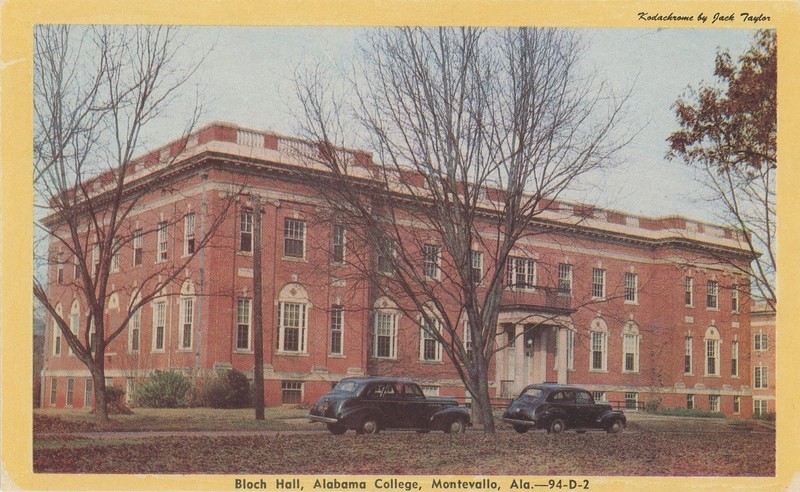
<point>556,408</point>
<point>370,404</point>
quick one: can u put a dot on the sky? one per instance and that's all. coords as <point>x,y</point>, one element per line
<point>246,79</point>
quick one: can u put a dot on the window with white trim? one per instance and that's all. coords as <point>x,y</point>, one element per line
<point>135,332</point>
<point>759,407</point>
<point>598,348</point>
<point>631,401</point>
<point>162,242</point>
<point>384,257</point>
<point>760,377</point>
<point>60,269</point>
<point>521,273</point>
<point>92,335</point>
<point>95,258</point>
<point>76,268</point>
<point>74,320</point>
<point>712,294</point>
<point>429,390</point>
<point>188,235</point>
<point>246,230</point>
<point>598,283</point>
<point>468,338</point>
<point>737,404</point>
<point>735,358</point>
<point>687,355</point>
<point>735,298</point>
<point>138,241</point>
<point>115,255</point>
<point>565,279</point>
<point>713,403</point>
<point>760,342</point>
<point>337,325</point>
<point>630,348</point>
<point>631,288</point>
<point>87,392</point>
<point>291,392</point>
<point>57,333</point>
<point>294,238</point>
<point>243,324</point>
<point>432,261</point>
<point>430,349</point>
<point>690,402</point>
<point>339,243</point>
<point>599,396</point>
<point>53,391</point>
<point>159,325</point>
<point>476,258</point>
<point>688,292</point>
<point>187,322</point>
<point>712,343</point>
<point>70,391</point>
<point>292,330</point>
<point>385,344</point>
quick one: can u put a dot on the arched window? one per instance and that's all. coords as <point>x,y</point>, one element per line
<point>384,339</point>
<point>630,347</point>
<point>186,315</point>
<point>598,345</point>
<point>293,305</point>
<point>74,320</point>
<point>712,344</point>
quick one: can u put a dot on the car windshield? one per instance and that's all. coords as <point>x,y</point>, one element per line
<point>345,387</point>
<point>532,393</point>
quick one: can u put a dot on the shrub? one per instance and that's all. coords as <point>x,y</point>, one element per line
<point>164,389</point>
<point>769,417</point>
<point>651,405</point>
<point>231,390</point>
<point>685,412</point>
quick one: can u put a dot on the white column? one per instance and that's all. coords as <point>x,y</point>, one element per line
<point>519,357</point>
<point>540,355</point>
<point>562,355</point>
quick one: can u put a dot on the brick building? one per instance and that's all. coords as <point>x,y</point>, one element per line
<point>763,358</point>
<point>633,308</point>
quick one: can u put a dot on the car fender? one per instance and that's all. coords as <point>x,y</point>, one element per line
<point>352,418</point>
<point>445,414</point>
<point>544,417</point>
<point>610,415</point>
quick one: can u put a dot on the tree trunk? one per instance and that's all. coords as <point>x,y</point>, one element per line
<point>100,400</point>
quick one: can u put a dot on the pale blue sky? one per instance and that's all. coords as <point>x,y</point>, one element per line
<point>246,80</point>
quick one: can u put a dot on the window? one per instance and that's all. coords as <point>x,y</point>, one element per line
<point>468,338</point>
<point>521,273</point>
<point>598,283</point>
<point>599,347</point>
<point>57,332</point>
<point>135,331</point>
<point>476,257</point>
<point>599,396</point>
<point>292,327</point>
<point>631,288</point>
<point>713,403</point>
<point>74,319</point>
<point>162,242</point>
<point>60,269</point>
<point>246,230</point>
<point>115,256</point>
<point>339,243</point>
<point>712,292</point>
<point>429,390</point>
<point>760,342</point>
<point>294,238</point>
<point>137,247</point>
<point>759,407</point>
<point>712,357</point>
<point>159,324</point>
<point>432,257</point>
<point>688,292</point>
<point>735,298</point>
<point>87,395</point>
<point>53,391</point>
<point>690,402</point>
<point>760,377</point>
<point>109,382</point>
<point>188,235</point>
<point>735,358</point>
<point>337,323</point>
<point>565,279</point>
<point>291,391</point>
<point>70,391</point>
<point>130,389</point>
<point>384,258</point>
<point>187,319</point>
<point>737,404</point>
<point>385,335</point>
<point>687,355</point>
<point>631,401</point>
<point>630,348</point>
<point>243,324</point>
<point>92,337</point>
<point>430,348</point>
<point>95,258</point>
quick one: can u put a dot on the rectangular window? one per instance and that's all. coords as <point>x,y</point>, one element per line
<point>337,324</point>
<point>60,269</point>
<point>712,357</point>
<point>135,331</point>
<point>468,338</point>
<point>246,230</point>
<point>598,283</point>
<point>688,292</point>
<point>734,358</point>
<point>70,391</point>
<point>115,256</point>
<point>95,258</point>
<point>294,238</point>
<point>291,391</point>
<point>565,279</point>
<point>92,337</point>
<point>630,352</point>
<point>292,327</point>
<point>56,338</point>
<point>385,254</point>
<point>137,247</point>
<point>712,294</point>
<point>598,351</point>
<point>760,342</point>
<point>476,258</point>
<point>53,391</point>
<point>599,396</point>
<point>74,319</point>
<point>713,403</point>
<point>162,242</point>
<point>631,401</point>
<point>188,235</point>
<point>759,407</point>
<point>385,335</point>
<point>159,324</point>
<point>339,243</point>
<point>243,324</point>
<point>687,355</point>
<point>735,298</point>
<point>760,377</point>
<point>521,273</point>
<point>432,257</point>
<point>430,348</point>
<point>631,288</point>
<point>690,402</point>
<point>430,390</point>
<point>87,395</point>
<point>737,404</point>
<point>187,320</point>
<point>109,382</point>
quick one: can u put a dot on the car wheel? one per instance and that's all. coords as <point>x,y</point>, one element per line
<point>557,426</point>
<point>456,426</point>
<point>369,426</point>
<point>337,429</point>
<point>522,429</point>
<point>615,427</point>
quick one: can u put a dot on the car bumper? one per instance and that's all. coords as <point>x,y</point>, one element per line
<point>320,418</point>
<point>526,423</point>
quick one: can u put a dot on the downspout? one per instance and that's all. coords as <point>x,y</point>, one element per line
<point>201,272</point>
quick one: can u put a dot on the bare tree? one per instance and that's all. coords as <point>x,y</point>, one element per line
<point>476,131</point>
<point>96,89</point>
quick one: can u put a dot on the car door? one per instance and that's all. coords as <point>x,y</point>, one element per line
<point>585,409</point>
<point>390,404</point>
<point>415,407</point>
<point>568,404</point>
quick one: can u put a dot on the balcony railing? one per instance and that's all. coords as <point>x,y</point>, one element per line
<point>529,296</point>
